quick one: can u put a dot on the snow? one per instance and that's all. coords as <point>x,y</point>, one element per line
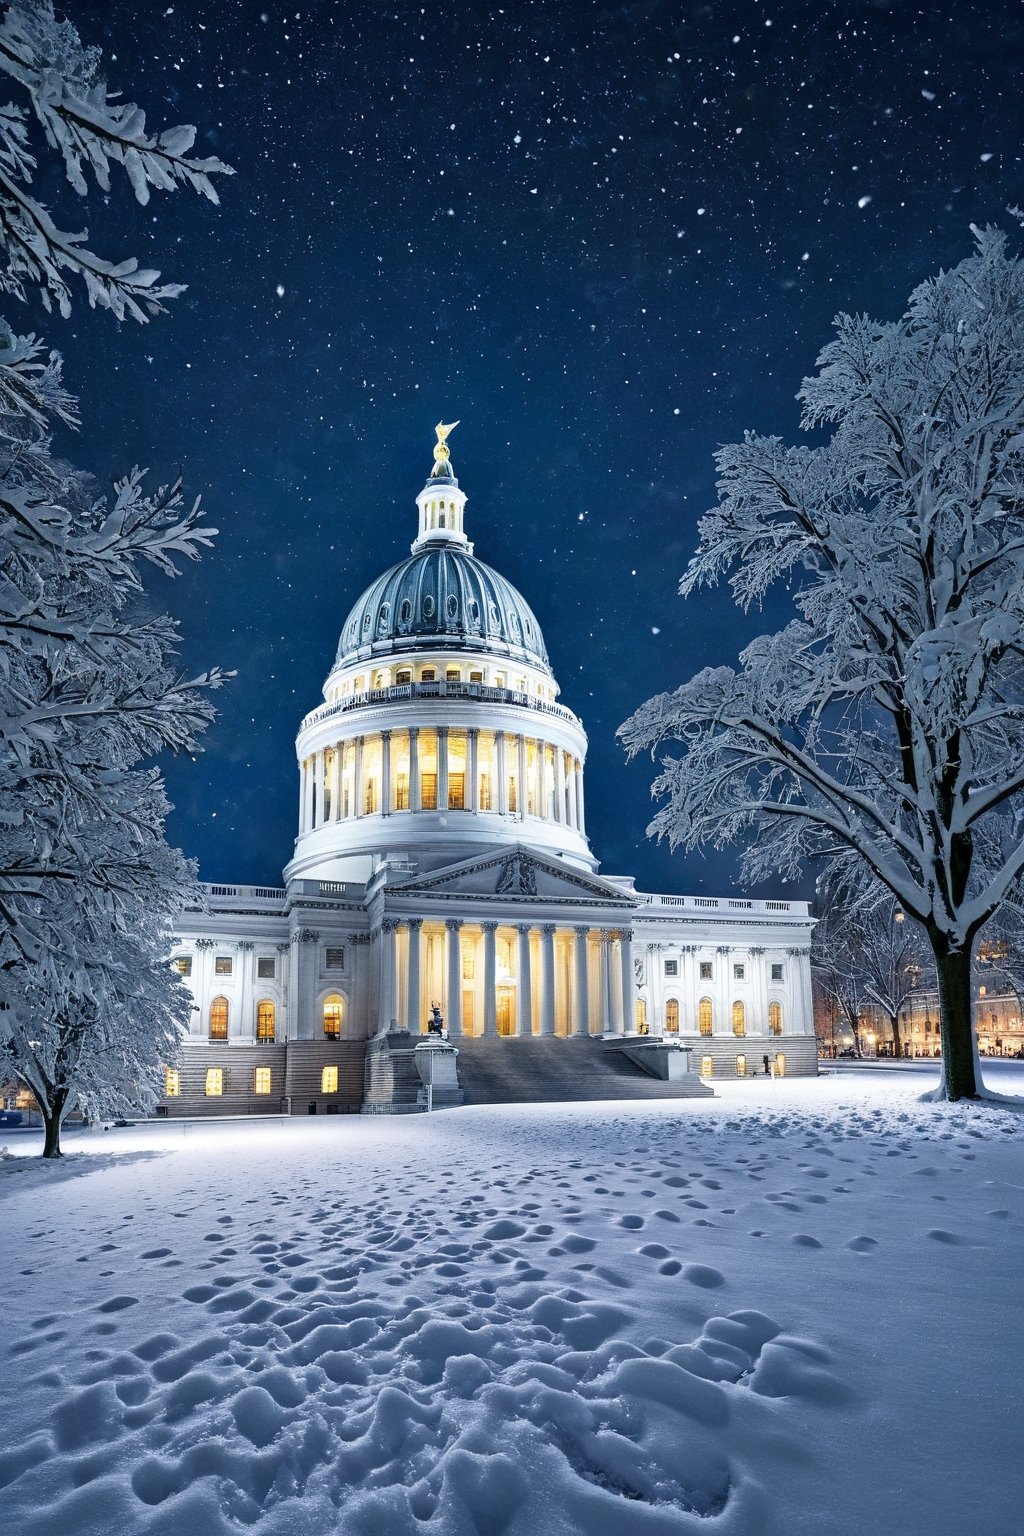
<point>788,1309</point>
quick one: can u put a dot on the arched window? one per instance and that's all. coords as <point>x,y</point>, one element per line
<point>707,1066</point>
<point>741,1066</point>
<point>219,1019</point>
<point>671,1016</point>
<point>405,612</point>
<point>332,1017</point>
<point>641,1016</point>
<point>739,1019</point>
<point>705,1016</point>
<point>265,1020</point>
<point>775,1018</point>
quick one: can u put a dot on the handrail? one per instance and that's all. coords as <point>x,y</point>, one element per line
<point>439,690</point>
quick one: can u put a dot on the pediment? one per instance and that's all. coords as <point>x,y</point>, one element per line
<point>518,873</point>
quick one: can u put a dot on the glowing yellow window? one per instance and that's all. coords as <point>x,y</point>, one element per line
<point>705,1017</point>
<point>262,1084</point>
<point>775,1018</point>
<point>219,1019</point>
<point>172,1083</point>
<point>739,1019</point>
<point>332,1017</point>
<point>214,1082</point>
<point>707,1066</point>
<point>265,1022</point>
<point>329,1080</point>
<point>672,1017</point>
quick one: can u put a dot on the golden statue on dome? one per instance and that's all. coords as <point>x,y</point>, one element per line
<point>442,453</point>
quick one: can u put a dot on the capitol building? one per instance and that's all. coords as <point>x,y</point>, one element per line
<point>442,860</point>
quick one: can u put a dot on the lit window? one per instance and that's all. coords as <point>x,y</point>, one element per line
<point>332,1018</point>
<point>222,965</point>
<point>775,1018</point>
<point>452,675</point>
<point>402,792</point>
<point>706,970</point>
<point>266,968</point>
<point>329,1080</point>
<point>456,791</point>
<point>183,965</point>
<point>738,972</point>
<point>265,1021</point>
<point>428,791</point>
<point>780,1064</point>
<point>172,1083</point>
<point>428,675</point>
<point>776,972</point>
<point>476,677</point>
<point>641,1016</point>
<point>707,1066</point>
<point>334,958</point>
<point>705,1017</point>
<point>262,1082</point>
<point>741,1066</point>
<point>671,967</point>
<point>739,1019</point>
<point>404,675</point>
<point>214,1082</point>
<point>219,1019</point>
<point>672,1017</point>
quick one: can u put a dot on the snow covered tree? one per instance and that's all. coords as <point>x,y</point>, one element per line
<point>870,955</point>
<point>884,726</point>
<point>89,687</point>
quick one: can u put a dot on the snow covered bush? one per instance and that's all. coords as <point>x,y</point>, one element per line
<point>884,726</point>
<point>89,686</point>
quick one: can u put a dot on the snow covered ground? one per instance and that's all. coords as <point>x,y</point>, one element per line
<point>794,1309</point>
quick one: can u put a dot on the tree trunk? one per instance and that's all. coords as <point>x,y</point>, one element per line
<point>897,1044</point>
<point>53,1117</point>
<point>956,1021</point>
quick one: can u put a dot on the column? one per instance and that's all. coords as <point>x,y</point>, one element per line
<point>472,800</point>
<point>571,780</point>
<point>358,776</point>
<point>385,773</point>
<point>415,802</point>
<point>387,1009</point>
<point>581,990</point>
<point>607,1016</point>
<point>318,789</point>
<point>547,978</point>
<point>580,823</point>
<point>303,796</point>
<point>414,1021</point>
<point>655,1007</point>
<point>336,782</point>
<point>490,979</point>
<point>538,773</point>
<point>628,982</point>
<point>454,927</point>
<point>501,772</point>
<point>559,785</point>
<point>524,998</point>
<point>522,794</point>
<point>442,768</point>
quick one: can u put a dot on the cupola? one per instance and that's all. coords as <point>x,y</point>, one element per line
<point>441,503</point>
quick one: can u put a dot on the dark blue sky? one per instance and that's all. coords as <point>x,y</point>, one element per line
<point>607,237</point>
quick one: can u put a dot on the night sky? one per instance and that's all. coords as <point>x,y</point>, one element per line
<point>607,237</point>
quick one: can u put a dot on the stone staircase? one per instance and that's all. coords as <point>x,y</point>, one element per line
<point>548,1071</point>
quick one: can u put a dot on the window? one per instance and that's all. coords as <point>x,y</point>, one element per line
<point>476,677</point>
<point>738,972</point>
<point>266,968</point>
<point>403,676</point>
<point>262,1080</point>
<point>513,799</point>
<point>329,1080</point>
<point>641,1016</point>
<point>452,674</point>
<point>183,965</point>
<point>214,1082</point>
<point>222,965</point>
<point>706,970</point>
<point>335,958</point>
<point>219,1019</point>
<point>428,675</point>
<point>485,792</point>
<point>780,1064</point>
<point>776,972</point>
<point>172,1083</point>
<point>739,1019</point>
<point>671,967</point>
<point>705,1016</point>
<point>456,791</point>
<point>775,1018</point>
<point>707,1066</point>
<point>428,791</point>
<point>332,1018</point>
<point>402,792</point>
<point>741,1066</point>
<point>671,1017</point>
<point>405,614</point>
<point>265,1021</point>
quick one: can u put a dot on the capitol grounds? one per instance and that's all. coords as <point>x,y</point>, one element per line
<point>793,1308</point>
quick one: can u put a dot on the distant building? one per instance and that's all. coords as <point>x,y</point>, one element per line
<point>442,857</point>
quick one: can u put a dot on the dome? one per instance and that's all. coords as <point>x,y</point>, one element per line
<point>441,596</point>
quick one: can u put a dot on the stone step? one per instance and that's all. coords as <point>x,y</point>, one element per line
<point>548,1071</point>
